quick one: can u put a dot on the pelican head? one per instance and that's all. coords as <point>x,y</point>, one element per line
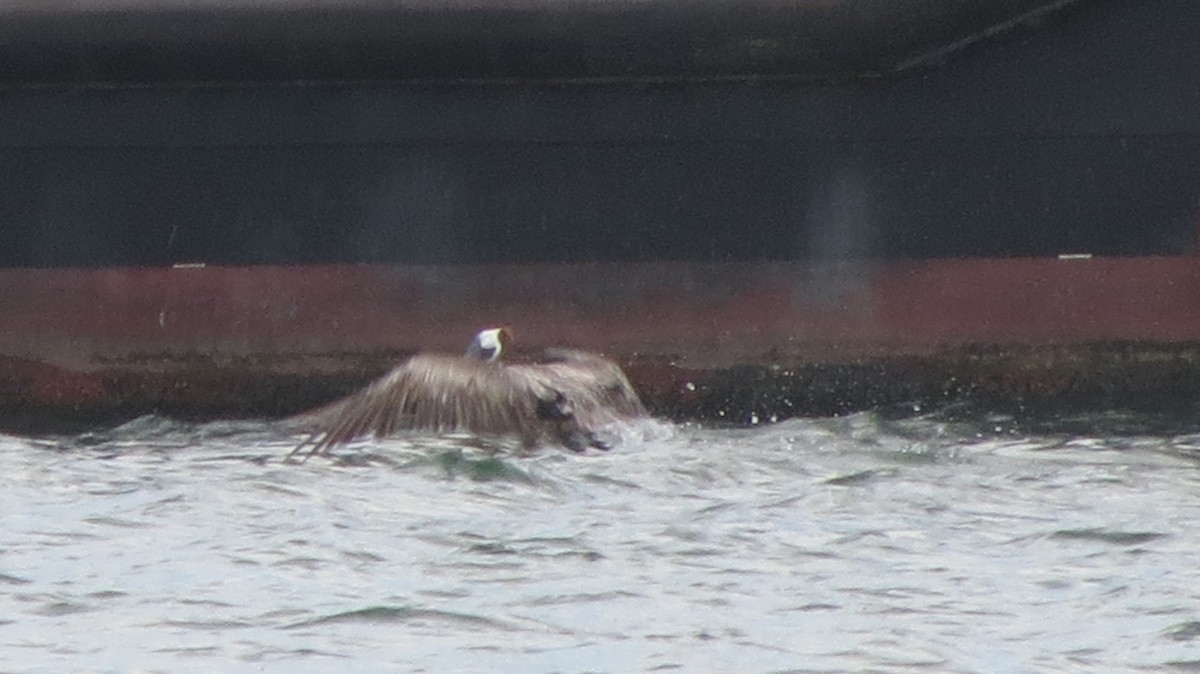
<point>488,344</point>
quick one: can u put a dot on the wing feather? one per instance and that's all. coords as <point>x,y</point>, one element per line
<point>432,393</point>
<point>565,399</point>
<point>595,387</point>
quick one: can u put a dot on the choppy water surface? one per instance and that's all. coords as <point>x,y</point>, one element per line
<point>948,542</point>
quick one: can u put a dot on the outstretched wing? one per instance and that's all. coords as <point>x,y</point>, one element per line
<point>596,390</point>
<point>433,393</point>
<point>567,399</point>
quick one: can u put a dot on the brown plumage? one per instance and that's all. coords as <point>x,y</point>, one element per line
<point>567,398</point>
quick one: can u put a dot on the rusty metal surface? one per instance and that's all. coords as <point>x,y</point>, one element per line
<point>709,341</point>
<point>288,40</point>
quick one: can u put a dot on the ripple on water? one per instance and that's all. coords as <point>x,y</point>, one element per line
<point>57,607</point>
<point>1113,537</point>
<point>887,541</point>
<point>862,477</point>
<point>1185,631</point>
<point>407,614</point>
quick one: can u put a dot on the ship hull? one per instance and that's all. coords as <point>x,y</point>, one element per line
<point>717,341</point>
<point>760,209</point>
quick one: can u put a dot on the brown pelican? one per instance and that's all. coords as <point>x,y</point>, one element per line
<point>568,397</point>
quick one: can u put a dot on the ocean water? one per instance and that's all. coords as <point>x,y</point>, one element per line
<point>957,540</point>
